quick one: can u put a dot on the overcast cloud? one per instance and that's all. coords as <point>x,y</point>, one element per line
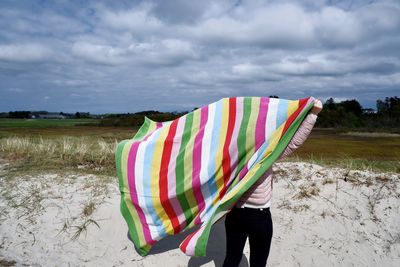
<point>176,55</point>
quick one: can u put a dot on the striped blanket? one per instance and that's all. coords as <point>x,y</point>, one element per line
<point>190,171</point>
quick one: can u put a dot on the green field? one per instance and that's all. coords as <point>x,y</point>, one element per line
<point>55,144</point>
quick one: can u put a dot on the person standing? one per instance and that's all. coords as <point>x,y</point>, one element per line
<point>251,216</point>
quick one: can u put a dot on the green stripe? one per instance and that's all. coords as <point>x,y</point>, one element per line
<point>118,156</point>
<point>126,200</point>
<point>180,169</point>
<point>241,141</point>
<point>143,129</point>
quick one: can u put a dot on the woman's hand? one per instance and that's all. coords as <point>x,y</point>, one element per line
<point>317,107</point>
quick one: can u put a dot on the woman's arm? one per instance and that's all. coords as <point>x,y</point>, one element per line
<point>300,136</point>
<point>304,130</point>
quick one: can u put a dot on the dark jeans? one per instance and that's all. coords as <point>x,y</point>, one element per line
<point>241,223</point>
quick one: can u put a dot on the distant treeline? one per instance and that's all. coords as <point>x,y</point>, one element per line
<point>137,119</point>
<point>25,114</point>
<point>350,114</point>
<point>344,114</point>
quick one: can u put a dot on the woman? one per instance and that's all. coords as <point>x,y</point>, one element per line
<point>251,216</point>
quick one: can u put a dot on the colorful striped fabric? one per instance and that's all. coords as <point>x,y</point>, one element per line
<point>189,172</point>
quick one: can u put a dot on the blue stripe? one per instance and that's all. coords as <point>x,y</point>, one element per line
<point>261,152</point>
<point>282,113</point>
<point>147,168</point>
<point>212,168</point>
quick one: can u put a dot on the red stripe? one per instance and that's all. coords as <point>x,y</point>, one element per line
<point>302,103</point>
<point>226,162</point>
<point>163,183</point>
<point>185,242</point>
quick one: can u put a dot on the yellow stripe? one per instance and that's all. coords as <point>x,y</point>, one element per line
<point>251,128</point>
<point>292,107</point>
<point>219,177</point>
<point>152,127</point>
<point>154,182</point>
<point>128,200</point>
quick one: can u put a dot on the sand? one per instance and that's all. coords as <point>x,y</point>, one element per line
<point>320,219</point>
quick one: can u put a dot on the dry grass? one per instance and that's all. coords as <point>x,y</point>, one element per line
<point>53,153</point>
<point>88,208</point>
<point>307,191</point>
<point>328,181</point>
<point>330,148</point>
<point>295,208</point>
<point>349,163</point>
<point>370,134</point>
<point>82,228</point>
<point>91,149</point>
<point>7,263</point>
<point>26,200</point>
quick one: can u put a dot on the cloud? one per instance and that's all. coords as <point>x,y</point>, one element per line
<point>165,52</point>
<point>331,65</point>
<point>336,27</point>
<point>274,26</point>
<point>137,19</point>
<point>254,72</point>
<point>133,55</point>
<point>25,52</point>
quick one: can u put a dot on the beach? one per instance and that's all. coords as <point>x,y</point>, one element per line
<point>322,216</point>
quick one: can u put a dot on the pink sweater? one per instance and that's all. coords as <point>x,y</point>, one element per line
<point>259,195</point>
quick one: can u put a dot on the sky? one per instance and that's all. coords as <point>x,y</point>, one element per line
<point>129,56</point>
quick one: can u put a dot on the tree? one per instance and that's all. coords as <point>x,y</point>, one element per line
<point>390,107</point>
<point>330,104</point>
<point>352,106</point>
<point>381,107</point>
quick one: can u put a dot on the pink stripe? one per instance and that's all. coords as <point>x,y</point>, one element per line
<point>261,121</point>
<point>172,175</point>
<point>133,193</point>
<point>196,184</point>
<point>132,187</point>
<point>243,172</point>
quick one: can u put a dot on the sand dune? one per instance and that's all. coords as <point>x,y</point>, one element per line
<point>322,217</point>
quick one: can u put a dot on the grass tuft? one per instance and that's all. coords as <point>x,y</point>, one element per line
<point>88,209</point>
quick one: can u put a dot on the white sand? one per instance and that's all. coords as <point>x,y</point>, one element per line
<point>353,223</point>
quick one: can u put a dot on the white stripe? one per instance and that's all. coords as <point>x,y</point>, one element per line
<point>171,168</point>
<point>271,117</point>
<point>139,187</point>
<point>205,159</point>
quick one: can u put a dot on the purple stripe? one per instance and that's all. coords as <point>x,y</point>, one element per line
<point>243,172</point>
<point>261,121</point>
<point>197,163</point>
